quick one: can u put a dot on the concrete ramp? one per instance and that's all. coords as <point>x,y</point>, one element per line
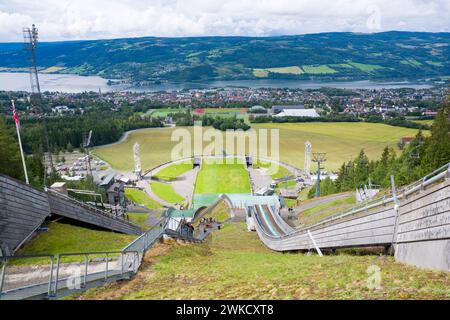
<point>415,222</point>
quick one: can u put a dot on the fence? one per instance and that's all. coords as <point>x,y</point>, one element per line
<point>53,276</point>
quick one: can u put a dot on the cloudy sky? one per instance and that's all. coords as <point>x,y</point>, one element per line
<point>94,19</point>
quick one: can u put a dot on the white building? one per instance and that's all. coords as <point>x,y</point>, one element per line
<point>298,113</point>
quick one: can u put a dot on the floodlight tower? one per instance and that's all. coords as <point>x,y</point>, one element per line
<point>87,138</point>
<point>319,158</point>
<point>30,36</point>
<point>307,165</point>
<point>137,160</point>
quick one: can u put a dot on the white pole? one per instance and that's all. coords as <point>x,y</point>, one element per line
<point>20,146</point>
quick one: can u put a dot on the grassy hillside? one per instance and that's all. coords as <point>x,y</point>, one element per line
<point>338,56</point>
<point>63,237</point>
<point>171,172</point>
<point>234,264</point>
<point>342,141</point>
<point>140,197</point>
<point>165,192</point>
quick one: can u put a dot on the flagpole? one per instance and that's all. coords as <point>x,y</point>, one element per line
<point>20,146</point>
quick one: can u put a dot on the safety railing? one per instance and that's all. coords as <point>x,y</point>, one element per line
<point>64,271</point>
<point>429,179</point>
<point>56,275</point>
<point>148,238</point>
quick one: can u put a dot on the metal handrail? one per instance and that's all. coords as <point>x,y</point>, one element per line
<point>431,178</point>
<point>53,283</point>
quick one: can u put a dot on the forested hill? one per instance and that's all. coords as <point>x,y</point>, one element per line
<point>326,56</point>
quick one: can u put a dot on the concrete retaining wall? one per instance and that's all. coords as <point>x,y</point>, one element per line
<point>423,237</point>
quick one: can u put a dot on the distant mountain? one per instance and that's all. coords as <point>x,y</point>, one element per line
<point>325,56</point>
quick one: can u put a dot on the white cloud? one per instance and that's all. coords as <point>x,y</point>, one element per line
<point>91,19</point>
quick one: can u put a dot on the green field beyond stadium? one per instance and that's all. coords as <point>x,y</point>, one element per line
<point>216,178</point>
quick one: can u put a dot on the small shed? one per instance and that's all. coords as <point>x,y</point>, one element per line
<point>59,187</point>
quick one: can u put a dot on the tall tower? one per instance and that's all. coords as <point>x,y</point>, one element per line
<point>137,160</point>
<point>307,165</point>
<point>87,138</point>
<point>319,158</point>
<point>30,37</point>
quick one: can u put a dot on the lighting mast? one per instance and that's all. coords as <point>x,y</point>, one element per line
<point>30,36</point>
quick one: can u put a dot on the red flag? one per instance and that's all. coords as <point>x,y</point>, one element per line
<point>15,115</point>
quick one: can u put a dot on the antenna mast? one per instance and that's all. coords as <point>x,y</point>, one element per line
<point>30,37</point>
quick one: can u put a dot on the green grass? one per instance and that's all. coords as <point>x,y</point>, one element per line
<point>212,111</point>
<point>140,197</point>
<point>166,192</point>
<point>427,122</point>
<point>234,264</point>
<point>64,238</point>
<point>173,171</point>
<point>412,62</point>
<point>341,140</point>
<point>366,67</point>
<point>289,184</point>
<point>260,73</point>
<point>274,170</point>
<point>322,69</point>
<point>287,70</point>
<point>435,63</point>
<point>264,72</point>
<point>222,178</point>
<point>165,111</point>
<point>220,213</point>
<point>324,210</point>
<point>139,218</point>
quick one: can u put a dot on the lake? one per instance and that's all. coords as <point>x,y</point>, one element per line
<point>10,81</point>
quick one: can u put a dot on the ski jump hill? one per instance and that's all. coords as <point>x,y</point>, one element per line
<point>414,222</point>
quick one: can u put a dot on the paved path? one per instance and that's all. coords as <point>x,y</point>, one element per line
<point>184,184</point>
<point>326,199</point>
<point>259,178</point>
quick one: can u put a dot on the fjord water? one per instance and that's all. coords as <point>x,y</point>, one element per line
<point>10,81</point>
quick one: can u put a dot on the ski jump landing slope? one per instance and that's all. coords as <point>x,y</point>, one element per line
<point>415,223</point>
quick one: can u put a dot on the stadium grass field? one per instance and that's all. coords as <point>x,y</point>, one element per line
<point>222,178</point>
<point>342,141</point>
<point>165,192</point>
<point>140,197</point>
<point>173,171</point>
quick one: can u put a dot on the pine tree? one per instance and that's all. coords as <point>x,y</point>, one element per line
<point>10,162</point>
<point>437,146</point>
